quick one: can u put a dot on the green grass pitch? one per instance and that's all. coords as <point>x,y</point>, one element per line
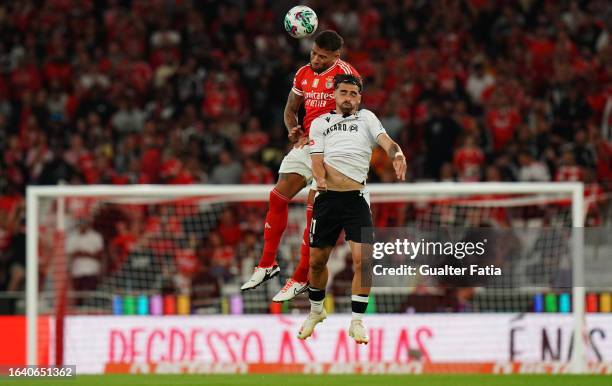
<point>319,380</point>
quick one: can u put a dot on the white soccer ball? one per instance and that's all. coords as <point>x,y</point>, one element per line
<point>301,21</point>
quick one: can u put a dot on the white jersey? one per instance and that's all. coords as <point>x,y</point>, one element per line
<point>346,142</point>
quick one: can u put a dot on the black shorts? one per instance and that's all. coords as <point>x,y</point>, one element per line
<point>334,211</point>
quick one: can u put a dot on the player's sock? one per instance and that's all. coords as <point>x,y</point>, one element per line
<point>276,222</point>
<point>301,272</point>
<point>316,297</point>
<point>359,303</point>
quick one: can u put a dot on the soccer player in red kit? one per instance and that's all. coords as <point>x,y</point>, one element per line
<point>313,85</point>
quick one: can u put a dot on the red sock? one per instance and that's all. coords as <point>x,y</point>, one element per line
<point>301,272</point>
<point>276,222</point>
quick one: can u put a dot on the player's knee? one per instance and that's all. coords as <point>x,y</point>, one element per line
<point>317,260</point>
<point>317,265</point>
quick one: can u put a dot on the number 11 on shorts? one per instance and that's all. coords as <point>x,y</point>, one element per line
<point>313,224</point>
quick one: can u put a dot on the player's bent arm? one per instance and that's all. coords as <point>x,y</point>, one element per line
<point>395,153</point>
<point>317,148</point>
<point>318,171</point>
<point>290,116</point>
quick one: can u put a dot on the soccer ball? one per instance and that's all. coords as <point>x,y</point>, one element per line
<point>301,21</point>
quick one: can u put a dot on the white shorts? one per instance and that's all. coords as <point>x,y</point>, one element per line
<point>298,161</point>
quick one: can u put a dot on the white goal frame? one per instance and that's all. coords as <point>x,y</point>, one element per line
<point>242,192</point>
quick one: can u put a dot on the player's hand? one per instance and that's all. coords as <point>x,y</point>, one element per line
<point>295,133</point>
<point>303,141</point>
<point>399,164</point>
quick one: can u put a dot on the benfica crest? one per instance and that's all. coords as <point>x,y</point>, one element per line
<point>329,82</point>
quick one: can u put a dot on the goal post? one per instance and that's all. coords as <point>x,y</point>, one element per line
<point>234,193</point>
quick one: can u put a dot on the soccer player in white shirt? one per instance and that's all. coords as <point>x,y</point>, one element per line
<point>341,145</point>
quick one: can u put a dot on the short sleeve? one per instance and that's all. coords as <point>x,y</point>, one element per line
<point>374,126</point>
<point>317,140</point>
<point>297,82</point>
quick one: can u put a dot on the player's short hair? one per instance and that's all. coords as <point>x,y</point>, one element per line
<point>347,78</point>
<point>329,40</point>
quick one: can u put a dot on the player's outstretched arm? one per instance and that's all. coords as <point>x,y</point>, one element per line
<point>395,153</point>
<point>292,107</point>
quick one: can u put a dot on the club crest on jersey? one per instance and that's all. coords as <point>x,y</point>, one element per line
<point>329,82</point>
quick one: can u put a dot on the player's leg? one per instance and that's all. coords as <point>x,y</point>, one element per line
<point>360,293</point>
<point>324,232</point>
<point>286,188</point>
<point>294,173</point>
<point>298,283</point>
<point>359,232</point>
<point>316,290</point>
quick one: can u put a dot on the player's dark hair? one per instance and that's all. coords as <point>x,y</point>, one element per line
<point>347,78</point>
<point>329,40</point>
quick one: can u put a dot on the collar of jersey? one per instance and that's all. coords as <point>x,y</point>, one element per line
<point>329,69</point>
<point>343,116</point>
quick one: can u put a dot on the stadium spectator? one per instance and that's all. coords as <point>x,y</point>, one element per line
<point>255,173</point>
<point>222,257</point>
<point>228,170</point>
<point>84,248</point>
<point>468,160</point>
<point>205,290</point>
<point>253,139</point>
<point>441,132</point>
<point>569,171</point>
<point>120,246</point>
<point>128,118</point>
<point>531,170</point>
<point>229,229</point>
<point>479,82</point>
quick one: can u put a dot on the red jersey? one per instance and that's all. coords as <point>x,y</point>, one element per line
<point>468,161</point>
<point>569,173</point>
<point>318,89</point>
<point>503,124</point>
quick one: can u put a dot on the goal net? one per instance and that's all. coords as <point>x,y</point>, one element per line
<point>184,251</point>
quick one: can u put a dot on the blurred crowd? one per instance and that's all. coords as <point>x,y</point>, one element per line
<point>185,91</point>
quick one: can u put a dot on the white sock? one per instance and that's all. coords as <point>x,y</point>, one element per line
<point>316,306</point>
<point>316,297</point>
<point>356,317</point>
